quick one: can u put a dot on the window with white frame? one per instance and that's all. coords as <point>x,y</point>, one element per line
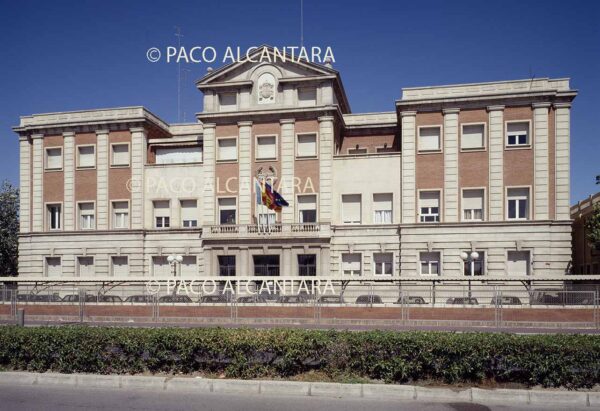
<point>54,217</point>
<point>266,148</point>
<point>429,206</point>
<point>471,266</point>
<point>351,208</point>
<point>384,263</point>
<point>429,263</point>
<point>227,101</point>
<point>518,262</point>
<point>227,149</point>
<point>517,203</point>
<point>53,267</point>
<point>87,219</point>
<point>352,264</point>
<point>472,205</point>
<point>268,217</point>
<point>54,159</point>
<point>382,208</point>
<point>307,145</point>
<point>189,267</point>
<point>162,214</point>
<point>307,96</point>
<point>517,134</point>
<point>473,136</point>
<point>178,155</point>
<point>119,154</point>
<point>85,266</point>
<point>86,156</point>
<point>119,266</point>
<point>189,213</point>
<point>161,267</point>
<point>307,208</point>
<point>227,210</point>
<point>429,138</point>
<point>120,214</point>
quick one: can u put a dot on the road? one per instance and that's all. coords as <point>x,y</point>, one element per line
<point>67,398</point>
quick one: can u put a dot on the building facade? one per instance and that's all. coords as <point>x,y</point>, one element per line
<point>586,258</point>
<point>465,179</point>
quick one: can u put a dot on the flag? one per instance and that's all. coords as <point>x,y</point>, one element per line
<point>259,190</point>
<point>272,199</point>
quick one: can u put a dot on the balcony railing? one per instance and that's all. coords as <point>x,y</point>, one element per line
<point>278,230</point>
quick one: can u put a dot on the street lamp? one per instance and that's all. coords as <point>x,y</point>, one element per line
<point>174,260</point>
<point>470,258</point>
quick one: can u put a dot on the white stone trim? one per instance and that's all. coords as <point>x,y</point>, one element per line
<point>288,152</point>
<point>496,163</point>
<point>69,180</point>
<point>25,185</point>
<point>138,160</point>
<point>102,164</point>
<point>244,149</point>
<point>451,147</point>
<point>541,162</point>
<point>562,147</point>
<point>326,141</point>
<point>38,217</point>
<point>408,186</point>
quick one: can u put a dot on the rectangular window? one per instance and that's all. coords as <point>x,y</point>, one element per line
<point>120,216</point>
<point>227,149</point>
<point>517,206</point>
<point>357,151</point>
<point>384,263</point>
<point>53,267</point>
<point>227,101</point>
<point>517,134</point>
<point>120,154</point>
<point>161,267</point>
<point>472,205</point>
<point>307,265</point>
<point>86,156</point>
<point>87,220</point>
<point>162,214</point>
<point>429,138</point>
<point>266,265</point>
<point>382,208</point>
<point>307,96</point>
<point>54,159</point>
<point>189,213</point>
<point>266,148</point>
<point>54,217</point>
<point>268,218</point>
<point>226,265</point>
<point>189,267</point>
<point>517,262</point>
<point>227,210</point>
<point>307,208</point>
<point>351,208</point>
<point>351,264</point>
<point>430,263</point>
<point>472,136</point>
<point>85,266</point>
<point>474,266</point>
<point>179,155</point>
<point>429,206</point>
<point>119,266</point>
<point>307,145</point>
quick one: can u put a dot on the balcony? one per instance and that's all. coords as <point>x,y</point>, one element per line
<point>294,230</point>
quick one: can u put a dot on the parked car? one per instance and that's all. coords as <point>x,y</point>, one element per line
<point>109,299</point>
<point>462,301</point>
<point>505,300</point>
<point>175,299</point>
<point>292,299</point>
<point>38,298</point>
<point>251,299</point>
<point>411,300</point>
<point>369,299</point>
<point>272,296</point>
<point>331,299</point>
<point>74,298</point>
<point>214,299</point>
<point>141,298</point>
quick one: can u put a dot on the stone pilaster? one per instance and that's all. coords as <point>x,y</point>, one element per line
<point>287,168</point>
<point>496,160</point>
<point>562,148</point>
<point>69,212</point>
<point>450,205</point>
<point>245,172</point>
<point>408,186</point>
<point>326,137</point>
<point>208,168</point>
<point>25,185</point>
<point>37,218</point>
<point>138,161</point>
<point>541,162</point>
<point>102,164</point>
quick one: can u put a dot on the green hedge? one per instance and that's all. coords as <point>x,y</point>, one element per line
<point>571,361</point>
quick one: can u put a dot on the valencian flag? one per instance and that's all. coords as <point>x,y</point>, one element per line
<point>269,197</point>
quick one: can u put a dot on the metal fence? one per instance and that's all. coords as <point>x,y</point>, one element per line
<point>353,304</point>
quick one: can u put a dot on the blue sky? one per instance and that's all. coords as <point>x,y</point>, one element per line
<point>71,55</point>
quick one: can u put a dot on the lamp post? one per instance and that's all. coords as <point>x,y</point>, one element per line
<point>174,260</point>
<point>470,258</point>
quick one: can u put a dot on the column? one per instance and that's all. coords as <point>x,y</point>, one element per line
<point>102,163</point>
<point>25,184</point>
<point>287,168</point>
<point>408,188</point>
<point>286,261</point>
<point>450,131</point>
<point>324,261</point>
<point>562,134</point>
<point>243,264</point>
<point>208,262</point>
<point>208,169</point>
<point>541,164</point>
<point>326,138</point>
<point>245,172</point>
<point>69,212</point>
<point>37,218</point>
<point>138,161</point>
<point>496,160</point>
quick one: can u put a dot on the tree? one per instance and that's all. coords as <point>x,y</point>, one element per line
<point>9,229</point>
<point>592,227</point>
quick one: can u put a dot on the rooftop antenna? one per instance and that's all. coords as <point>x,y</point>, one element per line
<point>301,23</point>
<point>179,36</point>
<point>532,77</point>
<point>185,77</point>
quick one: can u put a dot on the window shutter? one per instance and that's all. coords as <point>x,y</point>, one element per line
<point>351,208</point>
<point>429,138</point>
<point>162,209</point>
<point>189,210</point>
<point>518,262</point>
<point>54,158</point>
<point>120,154</point>
<point>53,267</point>
<point>473,199</point>
<point>189,267</point>
<point>517,128</point>
<point>227,203</point>
<point>307,96</point>
<point>307,145</point>
<point>227,149</point>
<point>228,101</point>
<point>307,202</point>
<point>472,136</point>
<point>179,155</point>
<point>87,156</point>
<point>160,266</point>
<point>429,199</point>
<point>266,147</point>
<point>86,266</point>
<point>382,201</point>
<point>351,262</point>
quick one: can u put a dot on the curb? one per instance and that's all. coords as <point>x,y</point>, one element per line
<point>310,389</point>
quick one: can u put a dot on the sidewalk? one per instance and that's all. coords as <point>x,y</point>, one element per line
<point>313,389</point>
